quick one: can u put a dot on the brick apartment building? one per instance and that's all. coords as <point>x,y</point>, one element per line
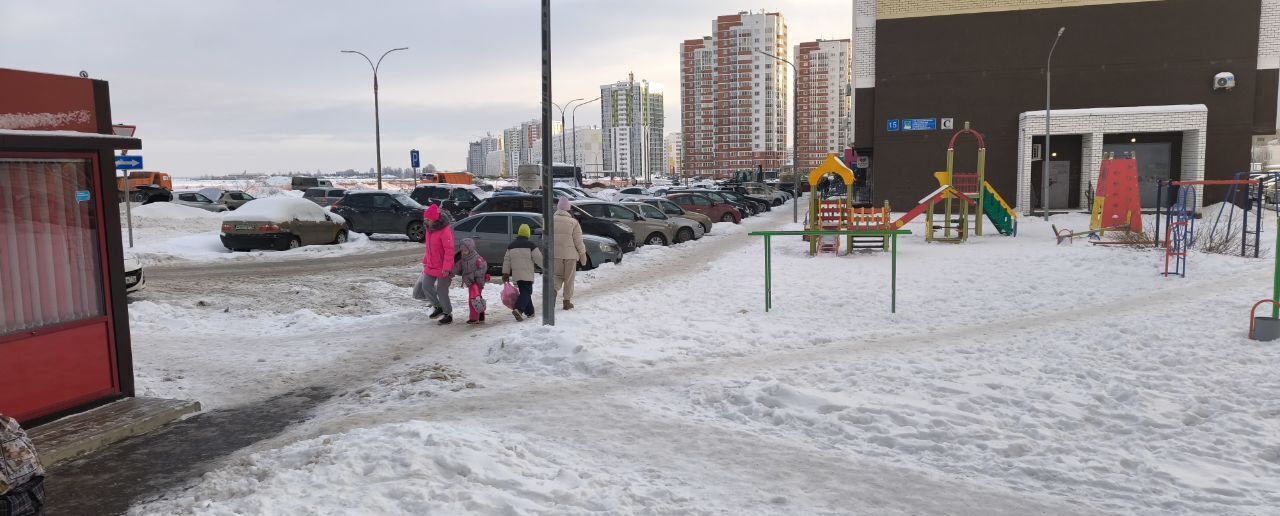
<point>734,98</point>
<point>1128,76</point>
<point>823,100</point>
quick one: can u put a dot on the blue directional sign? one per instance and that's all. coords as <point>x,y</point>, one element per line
<point>892,126</point>
<point>919,124</point>
<point>413,158</point>
<point>128,162</point>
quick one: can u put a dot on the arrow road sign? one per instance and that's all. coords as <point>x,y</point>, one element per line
<point>128,162</point>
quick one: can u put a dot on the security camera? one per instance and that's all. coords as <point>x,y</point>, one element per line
<point>84,74</point>
<point>1224,81</point>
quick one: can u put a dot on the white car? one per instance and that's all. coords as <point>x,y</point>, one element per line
<point>134,280</point>
<point>196,199</point>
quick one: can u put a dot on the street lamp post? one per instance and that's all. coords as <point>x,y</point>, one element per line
<point>377,122</point>
<point>795,137</point>
<point>574,118</point>
<point>1044,161</point>
<point>548,214</point>
<point>562,110</point>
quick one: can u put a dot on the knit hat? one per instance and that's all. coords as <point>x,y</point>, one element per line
<point>563,204</point>
<point>523,231</point>
<point>432,214</point>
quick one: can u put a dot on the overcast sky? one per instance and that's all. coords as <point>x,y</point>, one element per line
<point>233,85</point>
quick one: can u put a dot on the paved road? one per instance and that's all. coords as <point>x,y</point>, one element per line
<point>392,258</point>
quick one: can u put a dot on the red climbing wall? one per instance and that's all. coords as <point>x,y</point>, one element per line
<point>1117,198</point>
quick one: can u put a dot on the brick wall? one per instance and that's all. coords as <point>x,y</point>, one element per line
<point>1269,35</point>
<point>889,9</point>
<point>1093,124</point>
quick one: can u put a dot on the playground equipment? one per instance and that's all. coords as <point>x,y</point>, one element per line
<point>830,214</point>
<point>973,190</point>
<point>1268,328</point>
<point>1116,204</point>
<point>1180,233</point>
<point>956,191</point>
<point>891,235</point>
<point>1249,198</point>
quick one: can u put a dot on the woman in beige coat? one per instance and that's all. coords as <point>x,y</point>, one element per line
<point>569,251</point>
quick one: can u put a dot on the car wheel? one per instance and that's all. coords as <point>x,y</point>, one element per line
<point>656,239</point>
<point>292,243</point>
<point>416,232</point>
<point>727,217</point>
<point>368,234</point>
<point>684,235</point>
<point>777,202</point>
<point>138,197</point>
<point>341,238</point>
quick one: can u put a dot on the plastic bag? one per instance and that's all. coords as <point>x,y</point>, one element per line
<point>509,295</point>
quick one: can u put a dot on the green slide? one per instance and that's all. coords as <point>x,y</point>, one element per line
<point>998,212</point>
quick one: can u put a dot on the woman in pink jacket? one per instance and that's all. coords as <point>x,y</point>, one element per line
<point>437,266</point>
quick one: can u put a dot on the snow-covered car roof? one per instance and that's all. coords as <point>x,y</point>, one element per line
<point>282,209</point>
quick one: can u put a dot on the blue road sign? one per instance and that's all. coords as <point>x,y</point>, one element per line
<point>892,125</point>
<point>919,124</point>
<point>82,196</point>
<point>128,162</point>
<point>413,158</point>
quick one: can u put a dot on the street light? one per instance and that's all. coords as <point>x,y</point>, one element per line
<point>1044,160</point>
<point>574,118</point>
<point>377,122</point>
<point>566,106</point>
<point>795,137</point>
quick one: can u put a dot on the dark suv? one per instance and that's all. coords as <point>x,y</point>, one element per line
<point>619,232</point>
<point>458,200</point>
<point>372,212</point>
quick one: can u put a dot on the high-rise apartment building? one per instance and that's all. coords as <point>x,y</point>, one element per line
<point>823,103</point>
<point>519,141</point>
<point>478,153</point>
<point>734,97</point>
<point>671,154</point>
<point>637,107</point>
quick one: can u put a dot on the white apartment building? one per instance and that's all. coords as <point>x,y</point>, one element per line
<point>824,105</point>
<point>494,163</point>
<point>637,106</point>
<point>672,151</point>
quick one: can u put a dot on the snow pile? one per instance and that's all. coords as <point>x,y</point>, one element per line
<point>554,350</point>
<point>281,209</point>
<point>411,384</point>
<point>418,467</point>
<point>168,210</point>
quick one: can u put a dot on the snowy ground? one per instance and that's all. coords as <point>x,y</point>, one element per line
<point>1018,377</point>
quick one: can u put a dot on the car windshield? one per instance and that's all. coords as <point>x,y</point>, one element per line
<point>406,201</point>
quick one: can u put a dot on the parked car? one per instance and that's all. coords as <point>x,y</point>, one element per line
<point>281,223</point>
<point>456,199</point>
<point>760,191</point>
<point>234,198</point>
<point>377,211</point>
<point>634,190</point>
<point>671,209</point>
<point>717,210</point>
<point>746,209</point>
<point>324,196</point>
<point>651,232</point>
<point>303,183</point>
<point>686,229</point>
<point>134,280</point>
<point>620,233</point>
<point>492,231</point>
<point>195,199</point>
<point>750,206</point>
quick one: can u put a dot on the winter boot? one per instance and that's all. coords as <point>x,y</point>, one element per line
<point>436,313</point>
<point>473,321</point>
<point>519,316</point>
<point>482,317</point>
<point>568,305</point>
<point>445,320</point>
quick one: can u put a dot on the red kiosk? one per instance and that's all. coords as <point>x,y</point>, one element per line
<point>64,333</point>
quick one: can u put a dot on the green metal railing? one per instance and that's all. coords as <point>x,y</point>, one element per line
<point>892,235</point>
